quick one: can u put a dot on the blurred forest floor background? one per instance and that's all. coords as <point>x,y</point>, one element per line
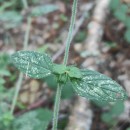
<point>101,41</point>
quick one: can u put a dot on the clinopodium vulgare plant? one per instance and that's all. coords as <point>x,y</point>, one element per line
<point>86,83</point>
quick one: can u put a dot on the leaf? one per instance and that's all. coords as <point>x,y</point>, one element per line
<point>117,109</point>
<point>107,118</point>
<point>97,86</point>
<point>33,120</point>
<point>120,15</point>
<point>7,118</point>
<point>114,111</point>
<point>4,72</point>
<point>6,5</point>
<point>44,9</point>
<point>59,68</point>
<point>67,90</point>
<point>74,72</point>
<point>100,104</point>
<point>127,22</point>
<point>4,60</point>
<point>127,35</point>
<point>114,4</point>
<point>34,64</point>
<point>11,19</point>
<point>2,81</point>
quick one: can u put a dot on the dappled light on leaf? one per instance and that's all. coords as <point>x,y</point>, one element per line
<point>96,86</point>
<point>33,64</point>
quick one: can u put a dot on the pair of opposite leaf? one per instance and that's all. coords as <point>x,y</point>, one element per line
<point>87,83</point>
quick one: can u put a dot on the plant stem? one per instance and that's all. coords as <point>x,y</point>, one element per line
<point>20,78</point>
<point>26,38</point>
<point>18,86</point>
<point>68,41</point>
<point>25,4</point>
<point>56,107</point>
<point>71,28</point>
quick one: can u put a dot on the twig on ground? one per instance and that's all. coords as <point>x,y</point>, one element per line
<point>96,28</point>
<point>81,117</point>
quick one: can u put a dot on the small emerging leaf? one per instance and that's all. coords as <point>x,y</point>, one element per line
<point>34,64</point>
<point>97,86</point>
<point>74,72</point>
<point>59,68</point>
<point>71,71</point>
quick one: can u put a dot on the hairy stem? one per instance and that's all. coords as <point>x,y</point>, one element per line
<point>56,107</point>
<point>70,34</point>
<point>68,41</point>
<point>18,86</point>
<point>20,78</point>
<point>25,3</point>
<point>26,38</point>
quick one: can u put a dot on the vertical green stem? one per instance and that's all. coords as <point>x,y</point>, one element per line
<point>71,28</point>
<point>18,86</point>
<point>26,38</point>
<point>25,3</point>
<point>20,78</point>
<point>56,107</point>
<point>68,41</point>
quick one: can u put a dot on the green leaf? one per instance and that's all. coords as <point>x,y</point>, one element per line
<point>100,103</point>
<point>120,15</point>
<point>128,129</point>
<point>107,118</point>
<point>114,4</point>
<point>127,22</point>
<point>74,72</point>
<point>117,108</point>
<point>4,60</point>
<point>51,81</point>
<point>34,64</point>
<point>127,35</point>
<point>11,19</point>
<point>4,72</point>
<point>2,81</point>
<point>121,12</point>
<point>33,120</point>
<point>123,8</point>
<point>67,91</point>
<point>2,89</point>
<point>114,111</point>
<point>44,9</point>
<point>59,68</point>
<point>97,86</point>
<point>6,5</point>
<point>7,118</point>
